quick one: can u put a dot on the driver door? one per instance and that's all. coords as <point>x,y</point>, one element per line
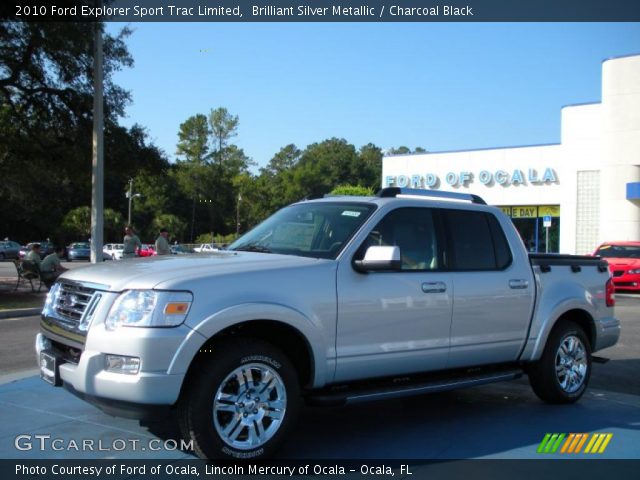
<point>395,322</point>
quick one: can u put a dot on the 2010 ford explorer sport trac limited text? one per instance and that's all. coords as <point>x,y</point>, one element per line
<point>329,301</point>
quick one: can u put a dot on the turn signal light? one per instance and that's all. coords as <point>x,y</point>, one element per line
<point>176,308</point>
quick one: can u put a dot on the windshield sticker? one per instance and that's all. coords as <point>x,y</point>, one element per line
<point>604,247</point>
<point>350,213</point>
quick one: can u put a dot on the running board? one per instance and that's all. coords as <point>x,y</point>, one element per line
<point>338,396</point>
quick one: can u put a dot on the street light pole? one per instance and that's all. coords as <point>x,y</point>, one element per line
<point>97,161</point>
<point>130,196</point>
<point>238,214</point>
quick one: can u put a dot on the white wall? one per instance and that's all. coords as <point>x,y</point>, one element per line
<point>601,137</point>
<point>621,138</point>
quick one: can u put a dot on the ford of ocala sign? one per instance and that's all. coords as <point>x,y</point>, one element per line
<point>485,177</point>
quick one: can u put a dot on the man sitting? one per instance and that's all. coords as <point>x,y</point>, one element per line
<point>50,267</point>
<point>33,255</point>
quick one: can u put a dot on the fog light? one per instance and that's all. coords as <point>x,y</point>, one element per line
<point>42,343</point>
<point>122,364</point>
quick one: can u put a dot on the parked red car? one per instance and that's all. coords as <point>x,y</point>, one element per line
<point>624,263</point>
<point>147,251</point>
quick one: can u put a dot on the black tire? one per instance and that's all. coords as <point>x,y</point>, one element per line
<point>551,381</point>
<point>1,256</point>
<point>205,421</point>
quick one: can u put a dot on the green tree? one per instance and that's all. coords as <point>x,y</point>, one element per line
<point>352,190</point>
<point>284,160</point>
<point>400,150</point>
<point>224,126</point>
<point>173,223</point>
<point>207,170</point>
<point>46,102</point>
<point>371,168</point>
<point>77,223</point>
<point>193,140</point>
<point>113,225</point>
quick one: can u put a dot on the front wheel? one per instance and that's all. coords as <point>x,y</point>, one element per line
<point>562,373</point>
<point>241,402</point>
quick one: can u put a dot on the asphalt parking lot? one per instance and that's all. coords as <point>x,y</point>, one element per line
<point>499,421</point>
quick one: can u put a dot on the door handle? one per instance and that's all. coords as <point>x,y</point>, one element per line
<point>434,287</point>
<point>518,284</point>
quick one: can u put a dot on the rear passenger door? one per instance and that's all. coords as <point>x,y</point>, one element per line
<point>493,295</point>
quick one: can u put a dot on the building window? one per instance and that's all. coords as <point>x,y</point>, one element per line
<point>588,211</point>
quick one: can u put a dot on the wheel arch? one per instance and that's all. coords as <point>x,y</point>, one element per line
<point>578,315</point>
<point>285,337</point>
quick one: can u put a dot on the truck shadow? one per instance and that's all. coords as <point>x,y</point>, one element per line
<point>501,420</point>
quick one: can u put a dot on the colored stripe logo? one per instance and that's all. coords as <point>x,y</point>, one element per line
<point>574,443</point>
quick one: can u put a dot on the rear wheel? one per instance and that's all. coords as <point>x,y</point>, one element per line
<point>562,373</point>
<point>241,402</point>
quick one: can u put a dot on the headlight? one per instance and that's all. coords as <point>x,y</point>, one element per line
<point>49,303</point>
<point>634,272</point>
<point>149,308</point>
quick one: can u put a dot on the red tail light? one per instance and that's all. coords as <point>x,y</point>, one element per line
<point>610,293</point>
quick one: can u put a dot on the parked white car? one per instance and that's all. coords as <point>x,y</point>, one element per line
<point>206,248</point>
<point>114,250</point>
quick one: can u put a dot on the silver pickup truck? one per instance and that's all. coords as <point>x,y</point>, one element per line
<point>333,300</point>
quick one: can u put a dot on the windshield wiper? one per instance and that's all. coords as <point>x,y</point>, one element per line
<point>253,247</point>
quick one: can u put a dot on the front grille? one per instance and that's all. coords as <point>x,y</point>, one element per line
<point>73,304</point>
<point>618,273</point>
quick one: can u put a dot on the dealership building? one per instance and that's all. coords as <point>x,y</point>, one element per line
<point>565,197</point>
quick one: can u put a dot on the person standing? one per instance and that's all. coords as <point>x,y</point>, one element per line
<point>162,244</point>
<point>131,243</point>
<point>50,268</point>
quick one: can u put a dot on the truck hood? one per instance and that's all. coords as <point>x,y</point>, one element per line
<point>174,271</point>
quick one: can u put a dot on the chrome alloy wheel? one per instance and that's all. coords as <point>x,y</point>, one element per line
<point>249,406</point>
<point>571,364</point>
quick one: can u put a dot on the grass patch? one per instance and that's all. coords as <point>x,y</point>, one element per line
<point>12,301</point>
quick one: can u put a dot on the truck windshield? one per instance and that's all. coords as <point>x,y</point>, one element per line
<point>314,229</point>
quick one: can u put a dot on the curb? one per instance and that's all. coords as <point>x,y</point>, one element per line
<point>20,312</point>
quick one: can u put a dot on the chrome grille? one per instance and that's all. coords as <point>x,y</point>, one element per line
<point>73,303</point>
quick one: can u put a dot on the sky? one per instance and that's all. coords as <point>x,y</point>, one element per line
<point>440,86</point>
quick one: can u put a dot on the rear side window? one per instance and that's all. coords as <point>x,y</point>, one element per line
<point>500,244</point>
<point>476,241</point>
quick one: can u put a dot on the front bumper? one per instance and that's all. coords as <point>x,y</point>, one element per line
<point>627,282</point>
<point>85,372</point>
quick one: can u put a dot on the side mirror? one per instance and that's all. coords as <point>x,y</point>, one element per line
<point>379,259</point>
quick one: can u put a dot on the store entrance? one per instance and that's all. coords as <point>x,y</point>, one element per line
<point>529,220</point>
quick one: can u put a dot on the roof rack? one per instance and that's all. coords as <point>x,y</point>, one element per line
<point>397,191</point>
